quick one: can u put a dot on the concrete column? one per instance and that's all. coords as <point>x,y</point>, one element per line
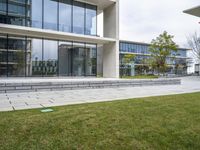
<point>100,60</point>
<point>111,60</point>
<point>111,50</point>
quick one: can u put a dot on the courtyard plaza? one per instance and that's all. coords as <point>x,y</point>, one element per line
<point>46,99</point>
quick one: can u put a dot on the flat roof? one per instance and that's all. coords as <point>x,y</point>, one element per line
<point>195,11</point>
<point>147,44</point>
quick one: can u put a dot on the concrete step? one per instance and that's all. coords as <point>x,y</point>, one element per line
<point>8,87</point>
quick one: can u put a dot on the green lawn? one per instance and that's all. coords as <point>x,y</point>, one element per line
<point>167,122</point>
<point>140,77</point>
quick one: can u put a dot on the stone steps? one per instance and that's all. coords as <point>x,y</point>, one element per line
<point>74,85</point>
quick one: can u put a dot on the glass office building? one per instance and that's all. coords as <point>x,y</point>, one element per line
<point>142,54</point>
<point>24,56</point>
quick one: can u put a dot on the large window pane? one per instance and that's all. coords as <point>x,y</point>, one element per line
<point>36,13</point>
<point>91,20</point>
<point>3,55</point>
<point>3,6</point>
<point>3,11</point>
<point>16,13</point>
<point>90,60</point>
<point>50,58</point>
<point>78,18</point>
<point>16,56</point>
<point>65,15</point>
<point>65,58</point>
<point>36,58</point>
<point>78,59</point>
<point>50,14</point>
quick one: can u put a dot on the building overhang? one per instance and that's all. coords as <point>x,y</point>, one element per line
<point>101,4</point>
<point>49,34</point>
<point>193,11</point>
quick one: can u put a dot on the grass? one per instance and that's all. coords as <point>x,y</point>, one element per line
<point>140,77</point>
<point>166,122</point>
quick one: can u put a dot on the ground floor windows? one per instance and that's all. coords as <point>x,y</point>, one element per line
<point>36,60</point>
<point>26,56</point>
<point>16,56</point>
<point>65,58</point>
<point>140,66</point>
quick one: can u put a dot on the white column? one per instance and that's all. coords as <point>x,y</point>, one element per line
<point>111,50</point>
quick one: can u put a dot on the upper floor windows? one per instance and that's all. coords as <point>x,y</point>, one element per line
<point>78,18</point>
<point>144,49</point>
<point>50,15</point>
<point>2,6</point>
<point>59,15</point>
<point>36,15</point>
<point>65,16</point>
<point>90,20</point>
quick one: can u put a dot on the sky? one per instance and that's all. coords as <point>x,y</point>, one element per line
<point>144,20</point>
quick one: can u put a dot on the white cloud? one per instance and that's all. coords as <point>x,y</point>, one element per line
<point>143,20</point>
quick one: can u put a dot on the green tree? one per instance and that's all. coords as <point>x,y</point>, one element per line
<point>161,48</point>
<point>127,59</point>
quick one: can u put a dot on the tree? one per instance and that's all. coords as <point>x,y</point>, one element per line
<point>161,48</point>
<point>127,59</point>
<point>194,43</point>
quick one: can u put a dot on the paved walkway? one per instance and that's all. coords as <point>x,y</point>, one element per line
<point>18,101</point>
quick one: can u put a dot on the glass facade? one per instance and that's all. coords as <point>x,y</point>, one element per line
<point>91,20</point>
<point>50,14</point>
<point>36,60</point>
<point>78,18</point>
<point>143,54</point>
<point>26,56</point>
<point>37,13</point>
<point>58,15</point>
<point>65,15</point>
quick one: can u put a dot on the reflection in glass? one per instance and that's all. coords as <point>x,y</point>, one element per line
<point>36,13</point>
<point>3,10</point>
<point>91,20</point>
<point>50,58</point>
<point>3,6</point>
<point>16,56</point>
<point>78,59</point>
<point>26,56</point>
<point>17,12</point>
<point>65,15</point>
<point>36,57</point>
<point>65,58</point>
<point>50,14</point>
<point>90,59</point>
<point>3,55</point>
<point>78,18</point>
